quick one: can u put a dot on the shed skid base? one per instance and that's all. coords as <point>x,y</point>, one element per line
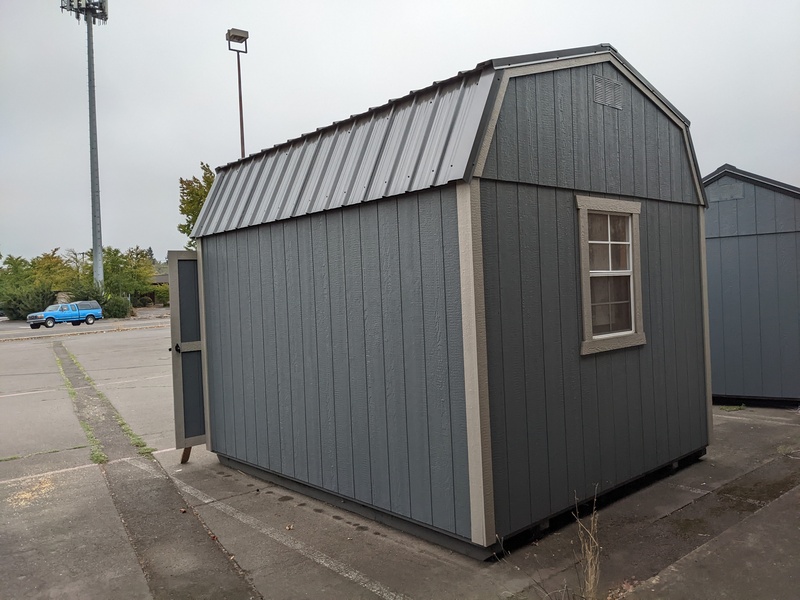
<point>424,532</point>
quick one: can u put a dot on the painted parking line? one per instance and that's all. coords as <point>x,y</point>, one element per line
<point>762,420</point>
<point>70,469</point>
<point>45,475</point>
<point>320,558</point>
<point>85,387</point>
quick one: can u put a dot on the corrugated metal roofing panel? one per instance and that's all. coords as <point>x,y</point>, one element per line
<point>413,143</point>
<point>365,159</point>
<point>256,193</point>
<point>214,204</point>
<point>319,166</point>
<point>329,178</point>
<point>274,178</point>
<point>421,116</point>
<point>391,153</point>
<point>245,191</point>
<point>460,144</point>
<point>300,175</point>
<point>293,156</point>
<point>440,126</point>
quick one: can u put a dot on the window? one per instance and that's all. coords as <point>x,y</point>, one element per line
<point>610,274</point>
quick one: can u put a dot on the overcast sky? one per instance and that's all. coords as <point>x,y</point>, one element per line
<point>167,95</point>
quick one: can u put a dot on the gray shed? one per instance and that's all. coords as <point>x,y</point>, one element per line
<point>462,310</point>
<point>753,239</point>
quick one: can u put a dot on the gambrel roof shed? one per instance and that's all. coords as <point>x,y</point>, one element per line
<point>753,240</point>
<point>464,309</point>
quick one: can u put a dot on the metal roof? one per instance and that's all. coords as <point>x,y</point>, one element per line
<point>727,169</point>
<point>425,139</point>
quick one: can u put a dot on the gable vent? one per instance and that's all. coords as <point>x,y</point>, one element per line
<point>607,92</point>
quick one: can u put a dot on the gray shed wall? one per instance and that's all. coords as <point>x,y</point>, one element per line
<point>753,245</point>
<point>561,422</point>
<point>335,354</point>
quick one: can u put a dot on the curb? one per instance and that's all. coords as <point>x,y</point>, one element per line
<point>60,335</point>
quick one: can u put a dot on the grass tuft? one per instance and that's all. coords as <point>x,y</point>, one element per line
<point>589,554</point>
<point>96,453</point>
<point>135,439</point>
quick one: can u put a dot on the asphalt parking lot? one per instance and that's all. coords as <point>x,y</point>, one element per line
<point>727,526</point>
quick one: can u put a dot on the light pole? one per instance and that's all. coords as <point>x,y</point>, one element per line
<point>92,11</point>
<point>238,36</point>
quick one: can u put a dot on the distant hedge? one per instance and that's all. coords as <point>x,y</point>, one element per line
<point>162,294</point>
<point>19,303</point>
<point>117,307</point>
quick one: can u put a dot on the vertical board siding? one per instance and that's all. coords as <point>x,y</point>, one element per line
<point>495,353</point>
<point>336,354</point>
<point>260,421</point>
<point>564,425</point>
<point>510,296</point>
<point>234,357</point>
<point>753,246</point>
<point>570,332</point>
<point>359,410</point>
<point>374,357</point>
<point>533,354</point>
<point>394,361</point>
<point>414,359</point>
<point>551,132</point>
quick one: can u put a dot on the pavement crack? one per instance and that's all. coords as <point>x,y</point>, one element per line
<point>94,412</point>
<point>179,556</point>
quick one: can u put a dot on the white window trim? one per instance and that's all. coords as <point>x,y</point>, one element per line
<point>590,343</point>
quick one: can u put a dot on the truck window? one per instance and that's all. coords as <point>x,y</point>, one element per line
<point>64,308</point>
<point>73,306</point>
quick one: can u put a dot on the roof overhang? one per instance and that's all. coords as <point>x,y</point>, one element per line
<point>730,170</point>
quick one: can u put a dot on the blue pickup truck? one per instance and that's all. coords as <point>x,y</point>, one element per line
<point>85,311</point>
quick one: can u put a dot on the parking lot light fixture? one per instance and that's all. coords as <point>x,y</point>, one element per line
<point>237,42</point>
<point>92,11</point>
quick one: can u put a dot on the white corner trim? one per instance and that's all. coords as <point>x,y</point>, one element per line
<point>476,381</point>
<point>204,348</point>
<point>706,329</point>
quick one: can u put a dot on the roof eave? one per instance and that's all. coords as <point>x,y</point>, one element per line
<point>727,169</point>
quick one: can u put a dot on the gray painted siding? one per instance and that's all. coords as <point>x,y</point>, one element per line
<point>336,354</point>
<point>753,242</point>
<point>550,132</point>
<point>562,423</point>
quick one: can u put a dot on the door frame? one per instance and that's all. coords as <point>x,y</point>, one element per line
<point>181,441</point>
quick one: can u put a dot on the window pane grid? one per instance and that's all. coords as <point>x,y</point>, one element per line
<point>610,273</point>
<point>609,243</point>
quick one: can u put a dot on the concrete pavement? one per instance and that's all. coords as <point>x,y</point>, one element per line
<point>65,526</point>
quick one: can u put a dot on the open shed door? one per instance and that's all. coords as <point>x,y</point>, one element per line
<point>186,348</point>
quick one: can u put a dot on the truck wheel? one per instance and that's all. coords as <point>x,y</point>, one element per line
<point>89,319</point>
<point>35,325</point>
<point>50,322</point>
<point>76,323</point>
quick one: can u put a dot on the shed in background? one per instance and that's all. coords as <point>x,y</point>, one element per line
<point>464,310</point>
<point>753,242</point>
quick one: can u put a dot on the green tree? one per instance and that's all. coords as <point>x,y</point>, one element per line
<point>193,194</point>
<point>20,292</point>
<point>15,273</point>
<point>51,270</point>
